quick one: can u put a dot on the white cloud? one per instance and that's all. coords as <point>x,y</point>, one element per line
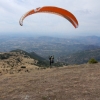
<point>86,11</point>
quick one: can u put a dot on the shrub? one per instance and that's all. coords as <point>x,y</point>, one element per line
<point>4,56</point>
<point>92,61</point>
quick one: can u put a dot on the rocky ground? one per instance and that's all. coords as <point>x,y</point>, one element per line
<point>15,62</point>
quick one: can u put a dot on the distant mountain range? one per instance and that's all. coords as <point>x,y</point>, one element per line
<point>43,47</point>
<point>88,40</point>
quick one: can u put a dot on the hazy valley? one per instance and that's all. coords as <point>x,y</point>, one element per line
<point>64,49</point>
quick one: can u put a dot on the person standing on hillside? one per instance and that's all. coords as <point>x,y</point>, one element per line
<point>51,58</point>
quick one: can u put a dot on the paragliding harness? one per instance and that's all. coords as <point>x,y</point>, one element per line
<point>51,58</point>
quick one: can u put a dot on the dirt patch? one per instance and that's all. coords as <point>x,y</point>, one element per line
<point>78,82</point>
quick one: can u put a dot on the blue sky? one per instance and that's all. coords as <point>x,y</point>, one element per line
<point>86,11</point>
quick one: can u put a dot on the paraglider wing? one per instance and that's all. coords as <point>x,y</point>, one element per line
<point>51,9</point>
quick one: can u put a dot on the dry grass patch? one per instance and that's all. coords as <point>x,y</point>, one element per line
<point>78,82</point>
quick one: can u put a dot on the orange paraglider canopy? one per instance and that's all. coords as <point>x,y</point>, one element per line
<point>51,9</point>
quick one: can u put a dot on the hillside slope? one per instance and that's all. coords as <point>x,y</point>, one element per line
<point>79,82</point>
<point>31,55</point>
<point>81,57</point>
<point>14,62</point>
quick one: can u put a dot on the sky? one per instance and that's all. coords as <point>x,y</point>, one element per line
<point>87,13</point>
